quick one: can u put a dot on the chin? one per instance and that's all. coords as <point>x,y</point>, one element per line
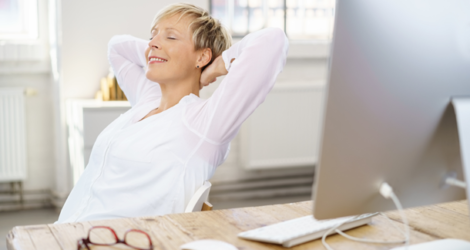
<point>152,77</point>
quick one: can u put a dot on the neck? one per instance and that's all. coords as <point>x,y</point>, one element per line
<point>173,92</point>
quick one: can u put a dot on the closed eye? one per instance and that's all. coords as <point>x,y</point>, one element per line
<point>172,38</point>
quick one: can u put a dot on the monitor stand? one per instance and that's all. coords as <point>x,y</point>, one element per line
<point>462,114</point>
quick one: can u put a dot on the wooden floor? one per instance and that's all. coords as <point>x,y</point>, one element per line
<point>24,217</point>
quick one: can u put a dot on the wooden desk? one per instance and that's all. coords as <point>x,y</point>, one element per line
<point>449,220</point>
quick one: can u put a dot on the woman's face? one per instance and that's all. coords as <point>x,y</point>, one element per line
<point>171,56</point>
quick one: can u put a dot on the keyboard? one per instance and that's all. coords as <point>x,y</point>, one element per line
<point>297,231</point>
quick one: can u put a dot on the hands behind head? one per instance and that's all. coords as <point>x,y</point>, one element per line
<point>211,72</point>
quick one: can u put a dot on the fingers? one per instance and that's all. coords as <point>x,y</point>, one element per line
<point>202,85</point>
<point>207,84</point>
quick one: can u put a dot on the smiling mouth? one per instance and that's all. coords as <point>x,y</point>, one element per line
<point>157,60</point>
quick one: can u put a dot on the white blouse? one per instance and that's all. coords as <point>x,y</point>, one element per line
<point>154,166</point>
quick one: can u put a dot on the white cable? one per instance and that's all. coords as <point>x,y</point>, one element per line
<point>454,182</point>
<point>403,218</point>
<point>391,194</point>
<point>323,239</point>
<point>367,240</point>
<point>387,192</point>
<point>375,241</point>
<point>362,240</point>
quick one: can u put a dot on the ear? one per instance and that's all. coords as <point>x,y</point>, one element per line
<point>204,57</point>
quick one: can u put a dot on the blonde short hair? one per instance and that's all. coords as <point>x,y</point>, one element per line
<point>207,31</point>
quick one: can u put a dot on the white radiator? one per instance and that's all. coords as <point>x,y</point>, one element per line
<point>284,131</point>
<point>12,135</point>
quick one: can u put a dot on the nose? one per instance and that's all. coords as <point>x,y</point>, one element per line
<point>154,43</point>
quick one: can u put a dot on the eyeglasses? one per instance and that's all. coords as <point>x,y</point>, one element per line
<point>106,236</point>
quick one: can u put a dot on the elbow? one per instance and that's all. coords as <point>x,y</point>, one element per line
<point>278,38</point>
<point>116,40</point>
<point>278,41</point>
<point>280,44</point>
<point>112,44</point>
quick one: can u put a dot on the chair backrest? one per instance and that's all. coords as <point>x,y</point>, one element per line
<point>199,200</point>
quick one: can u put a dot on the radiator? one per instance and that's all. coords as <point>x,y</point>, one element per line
<point>284,131</point>
<point>12,135</point>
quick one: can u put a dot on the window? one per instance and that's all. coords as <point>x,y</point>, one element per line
<point>300,19</point>
<point>18,19</point>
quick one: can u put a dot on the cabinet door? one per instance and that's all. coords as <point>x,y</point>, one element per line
<point>95,120</point>
<point>85,120</point>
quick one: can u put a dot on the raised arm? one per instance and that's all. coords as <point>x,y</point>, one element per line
<point>253,65</point>
<point>126,54</point>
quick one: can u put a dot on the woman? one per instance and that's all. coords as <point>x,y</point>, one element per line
<point>152,159</point>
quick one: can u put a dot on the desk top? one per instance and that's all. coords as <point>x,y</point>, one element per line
<point>448,220</point>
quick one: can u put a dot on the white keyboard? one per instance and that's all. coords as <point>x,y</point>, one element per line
<point>293,232</point>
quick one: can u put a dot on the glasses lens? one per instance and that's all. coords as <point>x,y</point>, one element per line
<point>102,236</point>
<point>137,239</point>
<point>80,245</point>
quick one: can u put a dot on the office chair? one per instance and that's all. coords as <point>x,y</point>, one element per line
<point>199,200</point>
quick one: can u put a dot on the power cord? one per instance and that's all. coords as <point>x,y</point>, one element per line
<point>454,182</point>
<point>387,192</point>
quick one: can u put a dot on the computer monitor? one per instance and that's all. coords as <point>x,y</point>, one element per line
<point>395,68</point>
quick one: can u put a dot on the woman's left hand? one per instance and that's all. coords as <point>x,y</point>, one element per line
<point>210,74</point>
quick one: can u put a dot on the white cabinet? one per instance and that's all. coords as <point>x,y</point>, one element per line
<point>85,120</point>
